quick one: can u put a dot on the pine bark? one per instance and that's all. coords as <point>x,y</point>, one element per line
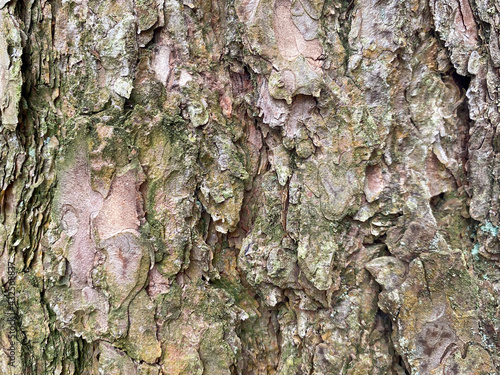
<point>255,187</point>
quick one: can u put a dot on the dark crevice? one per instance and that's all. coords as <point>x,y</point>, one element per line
<point>463,113</point>
<point>154,40</point>
<point>464,125</point>
<point>402,364</point>
<point>398,360</point>
<point>436,201</point>
<point>241,81</point>
<point>384,324</point>
<point>385,320</point>
<point>461,81</point>
<point>54,8</point>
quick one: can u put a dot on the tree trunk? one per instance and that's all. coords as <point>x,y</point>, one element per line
<point>249,187</point>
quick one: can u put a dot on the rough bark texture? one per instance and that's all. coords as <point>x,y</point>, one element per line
<point>250,186</point>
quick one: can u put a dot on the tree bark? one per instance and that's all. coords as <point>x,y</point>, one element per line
<point>249,187</point>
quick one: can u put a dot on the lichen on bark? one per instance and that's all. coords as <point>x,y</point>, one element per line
<point>249,187</point>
